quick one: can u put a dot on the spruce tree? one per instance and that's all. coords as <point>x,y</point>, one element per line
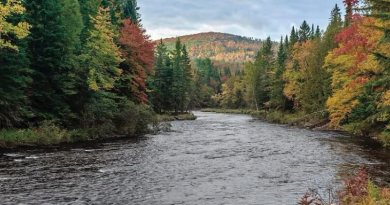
<point>46,51</point>
<point>293,38</point>
<point>304,32</point>
<point>277,98</point>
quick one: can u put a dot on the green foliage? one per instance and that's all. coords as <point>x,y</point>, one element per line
<point>304,32</point>
<point>47,133</point>
<point>60,83</point>
<point>15,78</point>
<point>133,119</point>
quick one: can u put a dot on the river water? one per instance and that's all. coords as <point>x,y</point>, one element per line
<point>217,159</point>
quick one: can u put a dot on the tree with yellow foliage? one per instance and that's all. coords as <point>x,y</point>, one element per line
<point>353,68</point>
<point>7,28</point>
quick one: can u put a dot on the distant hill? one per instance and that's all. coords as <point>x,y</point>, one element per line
<point>219,46</point>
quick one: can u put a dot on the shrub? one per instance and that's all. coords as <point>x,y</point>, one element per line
<point>134,119</point>
<point>48,133</point>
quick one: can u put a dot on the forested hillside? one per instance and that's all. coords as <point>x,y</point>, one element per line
<point>218,46</point>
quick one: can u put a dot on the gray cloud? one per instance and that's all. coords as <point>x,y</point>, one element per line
<point>254,18</point>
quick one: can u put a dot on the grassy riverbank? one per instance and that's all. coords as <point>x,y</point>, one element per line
<point>48,133</point>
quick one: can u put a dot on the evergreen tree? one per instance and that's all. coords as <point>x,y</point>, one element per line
<point>312,32</point>
<point>14,70</point>
<point>46,51</point>
<point>161,79</point>
<point>187,80</point>
<point>264,62</point>
<point>177,87</point>
<point>304,32</point>
<point>277,98</point>
<point>318,32</point>
<point>293,38</point>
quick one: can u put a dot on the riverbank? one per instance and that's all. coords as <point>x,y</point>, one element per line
<point>314,121</point>
<point>50,134</point>
<point>227,156</point>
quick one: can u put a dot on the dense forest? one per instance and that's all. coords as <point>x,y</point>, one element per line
<point>339,75</point>
<point>78,70</point>
<point>72,70</point>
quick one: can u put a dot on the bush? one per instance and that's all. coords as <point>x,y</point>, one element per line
<point>134,119</point>
<point>97,117</point>
<point>48,133</point>
<point>385,138</point>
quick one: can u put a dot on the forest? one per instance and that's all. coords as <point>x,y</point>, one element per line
<point>72,71</point>
<point>83,70</point>
<point>338,77</point>
<point>87,69</point>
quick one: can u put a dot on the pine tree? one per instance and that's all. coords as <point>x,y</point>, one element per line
<point>312,32</point>
<point>318,32</point>
<point>46,51</point>
<point>264,62</point>
<point>177,86</point>
<point>293,38</point>
<point>304,32</point>
<point>277,98</point>
<point>187,80</point>
<point>160,83</point>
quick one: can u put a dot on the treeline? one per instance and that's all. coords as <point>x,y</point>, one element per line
<point>340,74</point>
<point>77,66</point>
<point>179,84</point>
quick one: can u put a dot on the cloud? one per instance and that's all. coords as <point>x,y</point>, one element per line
<point>254,18</point>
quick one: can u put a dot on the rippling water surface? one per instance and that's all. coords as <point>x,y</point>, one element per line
<point>217,159</point>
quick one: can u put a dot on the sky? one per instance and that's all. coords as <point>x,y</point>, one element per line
<point>251,18</point>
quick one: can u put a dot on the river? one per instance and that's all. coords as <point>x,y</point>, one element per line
<point>217,159</point>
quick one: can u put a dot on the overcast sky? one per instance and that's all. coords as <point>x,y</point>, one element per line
<point>252,18</point>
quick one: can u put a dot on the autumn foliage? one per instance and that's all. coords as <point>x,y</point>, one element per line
<point>138,52</point>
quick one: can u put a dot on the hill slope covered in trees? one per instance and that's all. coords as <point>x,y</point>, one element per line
<point>218,46</point>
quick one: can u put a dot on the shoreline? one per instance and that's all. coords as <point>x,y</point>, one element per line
<point>294,120</point>
<point>51,136</point>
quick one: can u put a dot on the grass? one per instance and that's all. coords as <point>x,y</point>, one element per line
<point>46,134</point>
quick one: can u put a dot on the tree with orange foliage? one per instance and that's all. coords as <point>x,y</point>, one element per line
<point>353,67</point>
<point>138,53</point>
